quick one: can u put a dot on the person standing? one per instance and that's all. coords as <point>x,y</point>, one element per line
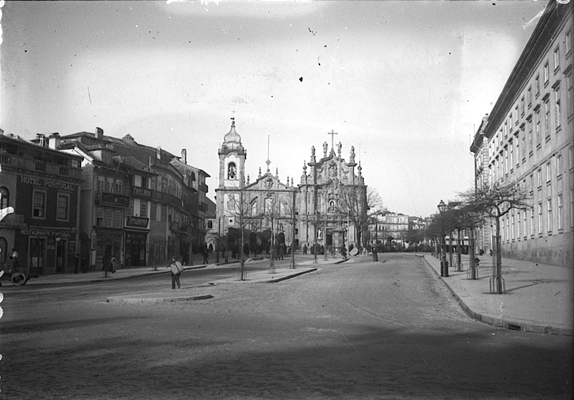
<point>105,265</point>
<point>176,270</point>
<point>15,261</point>
<point>114,263</point>
<point>205,256</point>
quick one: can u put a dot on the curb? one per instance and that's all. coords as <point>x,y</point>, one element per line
<point>155,300</point>
<point>113,278</point>
<point>267,280</point>
<point>282,278</point>
<point>499,322</point>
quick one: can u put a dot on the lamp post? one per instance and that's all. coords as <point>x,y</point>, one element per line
<point>443,263</point>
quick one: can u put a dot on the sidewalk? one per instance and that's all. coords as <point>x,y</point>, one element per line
<point>538,297</point>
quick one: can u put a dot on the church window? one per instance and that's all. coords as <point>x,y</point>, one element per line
<point>231,171</point>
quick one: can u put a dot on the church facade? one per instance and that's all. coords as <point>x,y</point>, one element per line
<point>320,211</point>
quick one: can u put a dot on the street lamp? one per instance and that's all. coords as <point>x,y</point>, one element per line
<point>443,265</point>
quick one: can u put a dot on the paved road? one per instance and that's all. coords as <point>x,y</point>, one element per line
<point>354,330</point>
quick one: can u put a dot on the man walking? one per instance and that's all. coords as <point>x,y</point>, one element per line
<point>176,270</point>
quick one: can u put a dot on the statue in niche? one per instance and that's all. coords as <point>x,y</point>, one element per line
<point>332,170</point>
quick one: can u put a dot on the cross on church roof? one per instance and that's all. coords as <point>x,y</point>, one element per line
<point>332,133</point>
<point>268,160</point>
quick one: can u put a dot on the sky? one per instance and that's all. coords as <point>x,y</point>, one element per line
<point>406,83</point>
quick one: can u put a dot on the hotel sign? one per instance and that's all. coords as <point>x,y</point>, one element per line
<point>30,180</point>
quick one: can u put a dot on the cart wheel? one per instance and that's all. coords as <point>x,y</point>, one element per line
<point>18,279</point>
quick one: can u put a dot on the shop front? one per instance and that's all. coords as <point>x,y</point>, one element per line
<point>105,243</point>
<point>47,251</point>
<point>136,241</point>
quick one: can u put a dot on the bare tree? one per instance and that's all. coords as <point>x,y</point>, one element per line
<point>362,207</point>
<point>240,209</point>
<point>495,201</point>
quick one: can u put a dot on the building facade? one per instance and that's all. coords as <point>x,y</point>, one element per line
<point>139,203</point>
<point>332,206</point>
<point>284,214</point>
<point>528,138</point>
<point>42,185</point>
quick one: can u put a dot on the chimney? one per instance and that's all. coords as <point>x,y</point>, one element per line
<point>158,153</point>
<point>100,134</point>
<point>41,139</point>
<point>184,156</point>
<point>54,141</point>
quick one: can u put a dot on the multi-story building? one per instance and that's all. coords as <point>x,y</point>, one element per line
<point>527,138</point>
<point>390,231</point>
<point>212,226</point>
<point>195,179</point>
<point>42,185</point>
<point>136,204</point>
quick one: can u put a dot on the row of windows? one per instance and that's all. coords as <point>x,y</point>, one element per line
<point>529,137</point>
<point>547,217</point>
<point>39,205</point>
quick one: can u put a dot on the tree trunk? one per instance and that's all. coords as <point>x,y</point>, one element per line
<point>472,254</point>
<point>459,253</point>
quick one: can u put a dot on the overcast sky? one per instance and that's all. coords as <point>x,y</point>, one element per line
<point>405,83</point>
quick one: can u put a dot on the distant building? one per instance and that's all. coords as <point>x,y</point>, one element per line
<point>395,231</point>
<point>42,184</point>
<point>528,138</point>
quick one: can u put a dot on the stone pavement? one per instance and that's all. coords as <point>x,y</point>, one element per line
<point>538,297</point>
<point>282,271</point>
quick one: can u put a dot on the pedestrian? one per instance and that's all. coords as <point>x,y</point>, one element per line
<point>76,263</point>
<point>176,270</point>
<point>15,261</point>
<point>304,249</point>
<point>205,256</point>
<point>344,252</point>
<point>114,264</point>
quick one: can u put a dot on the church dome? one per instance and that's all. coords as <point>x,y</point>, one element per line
<point>232,138</point>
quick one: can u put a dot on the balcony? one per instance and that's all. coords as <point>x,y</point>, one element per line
<point>165,198</point>
<point>13,220</point>
<point>10,161</point>
<point>203,188</point>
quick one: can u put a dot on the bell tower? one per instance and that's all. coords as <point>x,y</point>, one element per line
<point>232,156</point>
